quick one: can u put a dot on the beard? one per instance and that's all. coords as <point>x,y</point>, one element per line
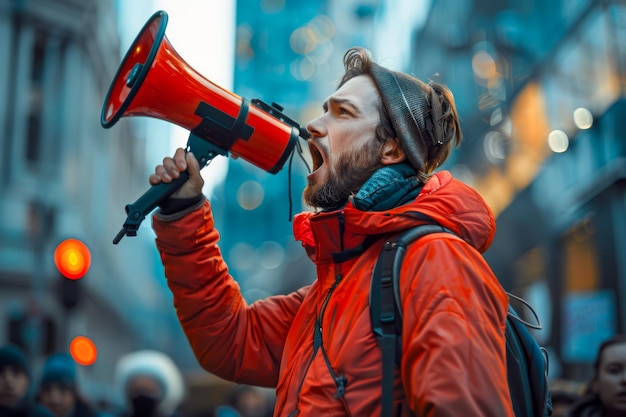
<point>351,171</point>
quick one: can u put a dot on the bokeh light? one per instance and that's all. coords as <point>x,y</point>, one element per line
<point>83,350</point>
<point>302,68</point>
<point>72,258</point>
<point>484,65</point>
<point>496,146</point>
<point>323,28</point>
<point>250,195</point>
<point>271,255</point>
<point>303,40</point>
<point>242,256</point>
<point>583,118</point>
<point>558,141</point>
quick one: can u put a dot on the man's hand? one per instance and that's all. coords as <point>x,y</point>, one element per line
<point>171,169</point>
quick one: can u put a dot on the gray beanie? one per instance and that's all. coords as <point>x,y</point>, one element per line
<point>415,111</point>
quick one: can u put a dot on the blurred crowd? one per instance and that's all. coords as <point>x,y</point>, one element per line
<point>149,383</point>
<point>152,386</point>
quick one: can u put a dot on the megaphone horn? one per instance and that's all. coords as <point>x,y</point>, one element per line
<point>154,81</point>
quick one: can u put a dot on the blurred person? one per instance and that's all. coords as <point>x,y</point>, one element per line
<point>375,151</point>
<point>562,402</point>
<point>15,385</point>
<point>564,393</point>
<point>605,395</point>
<point>58,389</point>
<point>250,401</point>
<point>151,384</point>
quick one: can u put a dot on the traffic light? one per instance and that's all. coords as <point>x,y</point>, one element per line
<point>72,258</point>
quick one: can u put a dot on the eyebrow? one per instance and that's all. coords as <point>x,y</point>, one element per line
<point>344,101</point>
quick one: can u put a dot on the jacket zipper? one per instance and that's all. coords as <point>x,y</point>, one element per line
<point>340,380</point>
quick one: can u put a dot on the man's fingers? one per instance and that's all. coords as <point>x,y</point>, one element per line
<point>171,168</point>
<point>180,159</point>
<point>192,162</point>
<point>154,179</point>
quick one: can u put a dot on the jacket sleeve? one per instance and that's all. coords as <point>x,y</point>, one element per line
<point>235,341</point>
<point>454,309</point>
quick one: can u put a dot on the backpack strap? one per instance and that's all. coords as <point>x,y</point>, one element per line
<point>527,362</point>
<point>385,302</point>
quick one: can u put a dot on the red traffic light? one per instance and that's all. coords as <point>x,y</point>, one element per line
<point>72,258</point>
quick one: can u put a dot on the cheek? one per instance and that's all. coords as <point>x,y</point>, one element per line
<point>68,401</point>
<point>22,386</point>
<point>606,385</point>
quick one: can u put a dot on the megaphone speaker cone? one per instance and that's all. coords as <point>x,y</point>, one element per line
<point>133,69</point>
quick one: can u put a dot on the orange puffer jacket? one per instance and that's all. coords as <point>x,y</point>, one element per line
<point>316,345</point>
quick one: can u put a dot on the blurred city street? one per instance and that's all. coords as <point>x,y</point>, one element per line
<point>540,86</point>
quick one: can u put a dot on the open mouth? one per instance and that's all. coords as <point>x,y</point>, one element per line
<point>316,156</point>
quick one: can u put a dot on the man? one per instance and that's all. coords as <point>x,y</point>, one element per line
<point>15,383</point>
<point>374,150</point>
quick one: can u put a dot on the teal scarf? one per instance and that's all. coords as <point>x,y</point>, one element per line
<point>390,186</point>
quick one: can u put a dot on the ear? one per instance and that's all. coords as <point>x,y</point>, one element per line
<point>391,152</point>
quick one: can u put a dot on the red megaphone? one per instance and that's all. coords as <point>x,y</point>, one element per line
<point>154,81</point>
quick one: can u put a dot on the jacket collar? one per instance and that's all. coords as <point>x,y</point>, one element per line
<point>388,187</point>
<point>444,200</point>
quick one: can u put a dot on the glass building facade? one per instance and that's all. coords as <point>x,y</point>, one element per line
<point>540,88</point>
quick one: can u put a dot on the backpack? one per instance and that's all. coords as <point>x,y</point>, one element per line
<point>527,363</point>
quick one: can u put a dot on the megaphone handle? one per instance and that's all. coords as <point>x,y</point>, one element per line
<point>138,211</point>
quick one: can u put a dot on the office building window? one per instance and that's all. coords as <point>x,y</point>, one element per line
<point>36,100</point>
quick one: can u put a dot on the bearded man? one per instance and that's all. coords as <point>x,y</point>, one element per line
<point>375,151</point>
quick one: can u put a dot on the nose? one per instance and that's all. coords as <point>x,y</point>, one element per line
<point>316,128</point>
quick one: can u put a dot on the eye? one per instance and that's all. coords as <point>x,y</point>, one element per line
<point>614,369</point>
<point>344,111</point>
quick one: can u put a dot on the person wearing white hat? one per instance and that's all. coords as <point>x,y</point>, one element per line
<point>151,384</point>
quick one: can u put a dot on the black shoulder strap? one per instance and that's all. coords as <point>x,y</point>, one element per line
<point>385,300</point>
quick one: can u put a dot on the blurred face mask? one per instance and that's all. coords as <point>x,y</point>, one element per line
<point>143,405</point>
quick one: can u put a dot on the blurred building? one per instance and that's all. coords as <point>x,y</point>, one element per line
<point>540,88</point>
<point>253,209</point>
<point>290,53</point>
<point>62,175</point>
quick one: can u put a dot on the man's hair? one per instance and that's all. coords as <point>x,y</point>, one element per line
<point>421,116</point>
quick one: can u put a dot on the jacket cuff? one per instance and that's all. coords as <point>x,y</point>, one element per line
<point>178,208</point>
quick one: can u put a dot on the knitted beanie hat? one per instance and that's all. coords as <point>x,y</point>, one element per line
<point>415,111</point>
<point>59,368</point>
<point>13,356</point>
